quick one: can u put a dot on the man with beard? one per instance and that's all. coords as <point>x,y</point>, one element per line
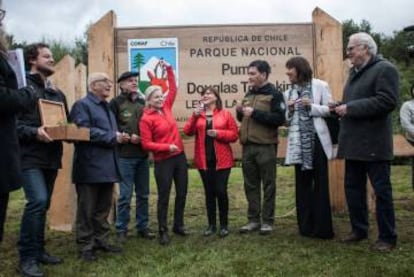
<point>12,101</point>
<point>41,159</point>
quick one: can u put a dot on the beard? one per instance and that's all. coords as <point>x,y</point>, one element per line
<point>46,70</point>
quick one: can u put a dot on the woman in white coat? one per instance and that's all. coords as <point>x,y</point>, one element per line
<point>309,146</point>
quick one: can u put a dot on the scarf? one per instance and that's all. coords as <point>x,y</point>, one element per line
<point>301,129</point>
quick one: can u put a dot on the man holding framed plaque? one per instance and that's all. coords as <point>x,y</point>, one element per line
<point>41,159</point>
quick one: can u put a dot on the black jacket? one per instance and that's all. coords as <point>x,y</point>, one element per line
<point>371,94</point>
<point>34,153</point>
<point>12,101</point>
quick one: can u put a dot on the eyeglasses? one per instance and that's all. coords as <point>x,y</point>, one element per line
<point>350,48</point>
<point>2,14</point>
<point>104,80</point>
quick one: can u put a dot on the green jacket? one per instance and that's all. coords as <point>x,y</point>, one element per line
<point>268,115</point>
<point>127,113</point>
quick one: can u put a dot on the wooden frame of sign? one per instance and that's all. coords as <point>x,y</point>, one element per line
<point>53,117</point>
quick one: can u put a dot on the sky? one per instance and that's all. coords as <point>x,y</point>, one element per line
<point>33,20</point>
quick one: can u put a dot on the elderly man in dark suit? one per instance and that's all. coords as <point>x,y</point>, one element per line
<point>365,139</point>
<point>95,167</point>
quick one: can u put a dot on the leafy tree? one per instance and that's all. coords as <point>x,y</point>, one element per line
<point>349,27</point>
<point>59,48</point>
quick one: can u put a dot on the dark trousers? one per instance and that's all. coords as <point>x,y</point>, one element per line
<point>259,167</point>
<point>94,205</point>
<point>313,207</point>
<point>165,171</point>
<point>356,195</point>
<point>38,188</point>
<point>215,188</point>
<point>4,200</point>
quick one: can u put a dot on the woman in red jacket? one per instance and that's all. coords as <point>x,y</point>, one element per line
<point>159,134</point>
<point>214,129</point>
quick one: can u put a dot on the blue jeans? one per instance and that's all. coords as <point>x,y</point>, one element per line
<point>38,188</point>
<point>134,171</point>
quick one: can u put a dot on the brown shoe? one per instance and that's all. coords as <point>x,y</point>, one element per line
<point>382,246</point>
<point>352,238</point>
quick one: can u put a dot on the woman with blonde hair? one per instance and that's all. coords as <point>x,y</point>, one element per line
<point>160,135</point>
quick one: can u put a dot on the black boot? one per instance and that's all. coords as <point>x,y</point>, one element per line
<point>164,238</point>
<point>211,229</point>
<point>30,268</point>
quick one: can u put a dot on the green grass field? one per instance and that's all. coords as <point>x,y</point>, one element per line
<point>283,253</point>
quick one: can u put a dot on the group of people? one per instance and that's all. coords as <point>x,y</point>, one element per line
<point>124,130</point>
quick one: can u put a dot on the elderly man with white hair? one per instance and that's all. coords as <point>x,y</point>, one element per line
<point>365,139</point>
<point>95,168</point>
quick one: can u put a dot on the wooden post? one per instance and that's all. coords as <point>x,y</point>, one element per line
<point>101,46</point>
<point>80,83</point>
<point>63,206</point>
<point>328,67</point>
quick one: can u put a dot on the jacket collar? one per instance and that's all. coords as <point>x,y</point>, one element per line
<point>37,79</point>
<point>374,60</point>
<point>95,98</point>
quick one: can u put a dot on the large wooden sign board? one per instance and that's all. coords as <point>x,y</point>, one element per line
<point>215,56</point>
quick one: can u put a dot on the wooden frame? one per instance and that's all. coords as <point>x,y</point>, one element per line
<point>53,117</point>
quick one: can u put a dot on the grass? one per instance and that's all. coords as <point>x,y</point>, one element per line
<point>283,253</point>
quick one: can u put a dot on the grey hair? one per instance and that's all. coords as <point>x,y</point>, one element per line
<point>149,91</point>
<point>367,40</point>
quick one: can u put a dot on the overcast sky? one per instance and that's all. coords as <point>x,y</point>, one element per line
<point>32,20</point>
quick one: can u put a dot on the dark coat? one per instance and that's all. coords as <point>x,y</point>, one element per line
<point>371,95</point>
<point>35,153</point>
<point>12,101</point>
<point>95,161</point>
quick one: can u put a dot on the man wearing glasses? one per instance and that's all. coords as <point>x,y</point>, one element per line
<point>95,167</point>
<point>365,139</point>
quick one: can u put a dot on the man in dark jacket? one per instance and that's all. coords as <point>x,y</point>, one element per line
<point>365,139</point>
<point>261,113</point>
<point>95,168</point>
<point>12,101</point>
<point>133,161</point>
<point>41,159</point>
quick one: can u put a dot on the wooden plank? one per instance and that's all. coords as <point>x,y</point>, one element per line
<point>101,45</point>
<point>63,205</point>
<point>80,81</point>
<point>402,148</point>
<point>328,67</point>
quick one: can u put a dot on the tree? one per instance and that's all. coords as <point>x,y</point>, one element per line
<point>138,61</point>
<point>59,48</point>
<point>349,27</point>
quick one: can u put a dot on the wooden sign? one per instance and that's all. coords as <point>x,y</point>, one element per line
<point>215,56</point>
<point>53,117</point>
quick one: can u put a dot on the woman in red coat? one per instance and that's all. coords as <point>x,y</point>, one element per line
<point>160,135</point>
<point>214,129</point>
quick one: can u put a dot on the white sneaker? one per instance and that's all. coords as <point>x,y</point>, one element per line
<point>266,229</point>
<point>250,227</point>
